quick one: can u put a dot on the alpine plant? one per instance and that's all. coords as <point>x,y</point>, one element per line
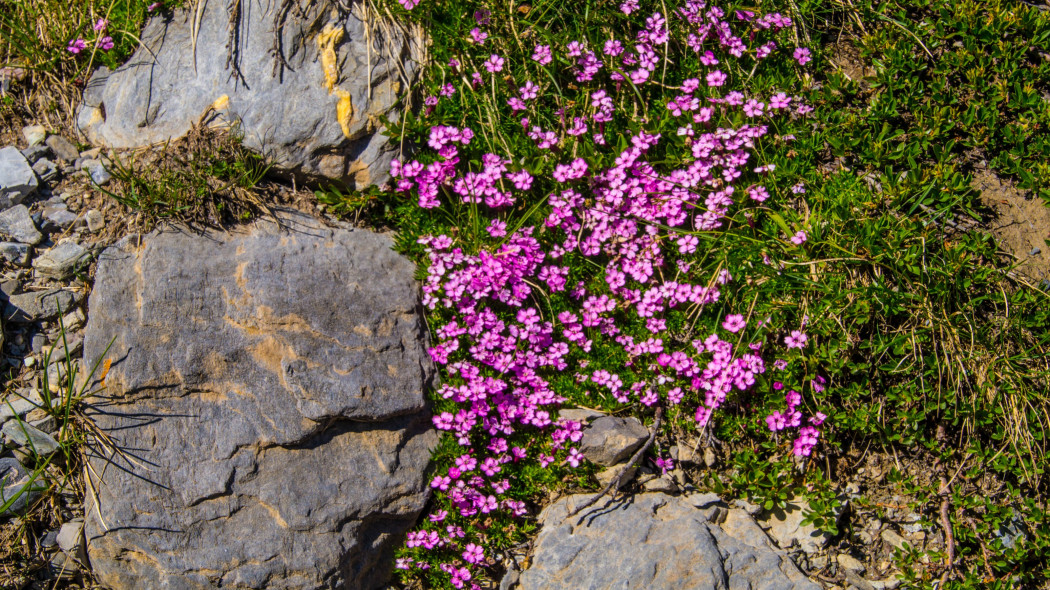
<point>607,207</point>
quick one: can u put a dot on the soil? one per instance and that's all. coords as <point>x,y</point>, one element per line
<point>1021,224</point>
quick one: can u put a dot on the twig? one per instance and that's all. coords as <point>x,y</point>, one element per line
<point>279,62</point>
<point>947,526</point>
<point>233,41</point>
<point>615,483</point>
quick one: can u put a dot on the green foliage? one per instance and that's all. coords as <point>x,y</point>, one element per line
<point>206,178</point>
<point>35,34</point>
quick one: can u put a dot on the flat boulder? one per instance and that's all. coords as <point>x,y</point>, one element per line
<point>304,83</point>
<point>262,400</point>
<point>656,542</point>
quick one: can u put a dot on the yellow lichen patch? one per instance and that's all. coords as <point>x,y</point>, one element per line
<point>326,43</point>
<point>344,111</point>
<point>221,103</point>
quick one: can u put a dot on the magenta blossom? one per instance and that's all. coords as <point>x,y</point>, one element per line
<point>76,46</point>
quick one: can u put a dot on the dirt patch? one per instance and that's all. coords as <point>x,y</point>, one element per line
<point>1021,223</point>
<point>848,59</point>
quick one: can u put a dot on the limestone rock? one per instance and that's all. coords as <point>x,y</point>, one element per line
<point>26,308</point>
<point>16,486</point>
<point>270,381</point>
<point>29,436</point>
<point>62,261</point>
<point>17,179</point>
<point>657,542</point>
<point>17,223</point>
<point>62,148</point>
<point>610,440</point>
<point>34,134</point>
<point>786,528</point>
<point>316,118</point>
<point>15,253</point>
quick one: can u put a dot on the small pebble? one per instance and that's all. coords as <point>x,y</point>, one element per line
<point>34,134</point>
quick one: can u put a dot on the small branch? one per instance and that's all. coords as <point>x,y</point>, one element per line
<point>946,524</point>
<point>615,483</point>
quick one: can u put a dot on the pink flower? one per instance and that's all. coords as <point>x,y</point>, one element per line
<point>152,7</point>
<point>105,43</point>
<point>478,36</point>
<point>799,238</point>
<point>629,6</point>
<point>753,108</point>
<point>734,323</point>
<point>542,54</point>
<point>76,46</point>
<point>801,55</point>
<point>716,78</point>
<point>408,4</point>
<point>796,339</point>
<point>100,24</point>
<point>473,553</point>
<point>494,64</point>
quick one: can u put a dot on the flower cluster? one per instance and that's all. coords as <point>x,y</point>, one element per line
<point>638,216</point>
<point>102,42</point>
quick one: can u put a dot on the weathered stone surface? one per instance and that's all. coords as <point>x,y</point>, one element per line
<point>62,148</point>
<point>17,179</point>
<point>786,528</point>
<point>58,218</point>
<point>16,487</point>
<point>270,385</point>
<point>26,308</point>
<point>45,169</point>
<point>15,253</point>
<point>62,261</point>
<point>34,134</point>
<point>656,542</point>
<point>17,223</point>
<point>29,436</point>
<point>316,118</point>
<point>610,440</point>
<point>19,404</point>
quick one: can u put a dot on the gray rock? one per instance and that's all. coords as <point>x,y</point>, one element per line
<point>15,253</point>
<point>34,153</point>
<point>17,179</point>
<point>606,476</point>
<point>62,148</point>
<point>46,170</point>
<point>71,538</point>
<point>62,261</point>
<point>34,134</point>
<point>657,542</point>
<point>20,404</point>
<point>293,117</point>
<point>26,308</point>
<point>850,563</point>
<point>579,414</point>
<point>271,383</point>
<point>57,352</point>
<point>97,171</point>
<point>27,435</point>
<point>17,489</point>
<point>95,221</point>
<point>664,485</point>
<point>891,537</point>
<point>786,528</point>
<point>58,218</point>
<point>17,223</point>
<point>610,440</point>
